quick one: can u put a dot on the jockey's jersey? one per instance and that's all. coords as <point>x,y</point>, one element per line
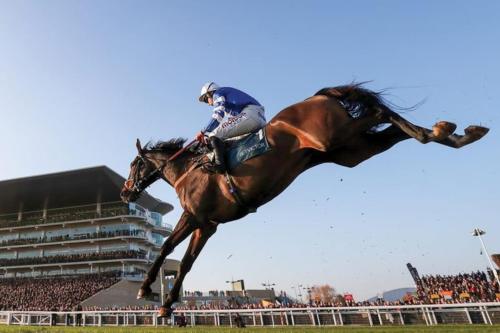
<point>230,101</point>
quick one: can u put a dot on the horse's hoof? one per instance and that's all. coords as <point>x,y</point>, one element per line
<point>164,312</point>
<point>476,131</point>
<point>443,129</point>
<point>144,292</point>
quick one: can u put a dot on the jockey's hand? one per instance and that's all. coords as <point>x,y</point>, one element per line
<point>200,137</point>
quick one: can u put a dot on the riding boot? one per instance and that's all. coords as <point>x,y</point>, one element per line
<point>218,147</point>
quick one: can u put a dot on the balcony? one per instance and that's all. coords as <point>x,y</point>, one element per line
<point>84,213</point>
<point>89,237</point>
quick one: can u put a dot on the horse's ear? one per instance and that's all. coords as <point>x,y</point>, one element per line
<point>139,147</point>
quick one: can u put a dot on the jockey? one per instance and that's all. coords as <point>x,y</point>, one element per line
<point>235,113</point>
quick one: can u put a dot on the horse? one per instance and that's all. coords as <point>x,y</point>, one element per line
<point>345,125</point>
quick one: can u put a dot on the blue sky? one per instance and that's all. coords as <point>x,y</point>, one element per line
<point>80,80</point>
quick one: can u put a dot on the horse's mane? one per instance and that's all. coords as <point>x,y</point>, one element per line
<point>166,146</point>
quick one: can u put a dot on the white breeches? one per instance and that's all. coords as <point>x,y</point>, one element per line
<point>249,120</point>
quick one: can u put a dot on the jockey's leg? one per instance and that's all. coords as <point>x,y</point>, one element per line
<point>218,148</point>
<point>249,120</point>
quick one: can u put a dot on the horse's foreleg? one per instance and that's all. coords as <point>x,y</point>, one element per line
<point>198,240</point>
<point>472,133</point>
<point>185,226</point>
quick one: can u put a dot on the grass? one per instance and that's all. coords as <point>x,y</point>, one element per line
<point>203,329</point>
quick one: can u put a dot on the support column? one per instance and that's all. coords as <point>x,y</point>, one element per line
<point>20,212</point>
<point>45,206</point>
<point>98,205</point>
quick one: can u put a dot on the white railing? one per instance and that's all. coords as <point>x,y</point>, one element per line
<point>472,313</point>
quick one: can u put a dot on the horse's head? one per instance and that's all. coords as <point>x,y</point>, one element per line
<point>143,172</point>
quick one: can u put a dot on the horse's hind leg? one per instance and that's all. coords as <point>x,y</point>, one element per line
<point>472,133</point>
<point>198,240</point>
<point>184,227</point>
<point>440,131</point>
<point>367,146</point>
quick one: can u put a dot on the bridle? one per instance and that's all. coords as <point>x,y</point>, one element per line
<point>142,183</point>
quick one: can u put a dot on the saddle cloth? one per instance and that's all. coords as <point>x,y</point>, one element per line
<point>242,148</point>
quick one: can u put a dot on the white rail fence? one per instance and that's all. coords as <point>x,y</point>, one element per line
<point>472,313</point>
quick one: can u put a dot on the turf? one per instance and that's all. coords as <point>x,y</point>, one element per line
<point>203,329</point>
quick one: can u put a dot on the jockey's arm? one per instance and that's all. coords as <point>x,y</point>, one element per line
<point>217,116</point>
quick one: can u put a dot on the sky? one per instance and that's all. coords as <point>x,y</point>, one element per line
<point>81,80</point>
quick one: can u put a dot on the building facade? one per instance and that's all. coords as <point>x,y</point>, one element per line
<point>73,222</point>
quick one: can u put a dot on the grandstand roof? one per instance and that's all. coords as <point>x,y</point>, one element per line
<point>67,189</point>
<point>496,259</point>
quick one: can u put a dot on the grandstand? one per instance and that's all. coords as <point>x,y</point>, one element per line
<point>68,237</point>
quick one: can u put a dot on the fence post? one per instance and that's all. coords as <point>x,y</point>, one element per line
<point>334,319</point>
<point>401,317</point>
<point>369,317</point>
<point>379,317</point>
<point>487,315</point>
<point>293,319</point>
<point>426,315</point>
<point>468,315</point>
<point>433,317</point>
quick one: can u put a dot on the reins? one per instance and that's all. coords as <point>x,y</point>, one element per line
<point>180,151</point>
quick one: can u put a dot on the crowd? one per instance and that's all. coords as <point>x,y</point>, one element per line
<point>51,293</point>
<point>129,254</point>
<point>197,293</point>
<point>461,288</point>
<point>62,238</point>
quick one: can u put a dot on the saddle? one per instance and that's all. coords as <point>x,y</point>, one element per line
<point>242,148</point>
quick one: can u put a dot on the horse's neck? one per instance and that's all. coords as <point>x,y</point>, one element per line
<point>176,169</point>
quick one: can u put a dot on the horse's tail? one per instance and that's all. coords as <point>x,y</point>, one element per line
<point>357,101</point>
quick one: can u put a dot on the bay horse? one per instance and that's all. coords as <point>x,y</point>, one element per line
<point>340,125</point>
